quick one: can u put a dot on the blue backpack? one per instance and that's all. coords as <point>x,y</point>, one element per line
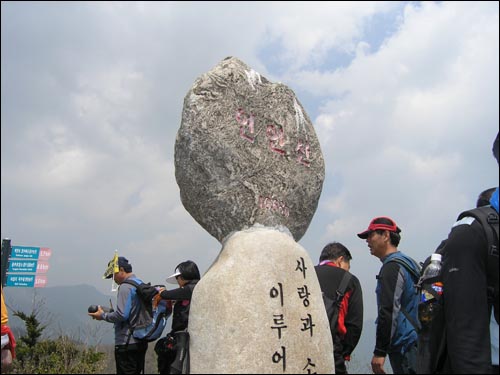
<point>154,319</point>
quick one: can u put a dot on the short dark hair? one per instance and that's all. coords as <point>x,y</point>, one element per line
<point>189,270</point>
<point>484,198</point>
<point>123,263</point>
<point>395,236</point>
<point>335,250</point>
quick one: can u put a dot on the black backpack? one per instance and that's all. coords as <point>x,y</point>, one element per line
<point>488,218</point>
<point>431,356</point>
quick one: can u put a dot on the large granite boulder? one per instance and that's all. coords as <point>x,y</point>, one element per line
<point>247,153</point>
<point>259,310</point>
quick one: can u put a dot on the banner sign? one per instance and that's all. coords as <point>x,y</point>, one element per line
<point>30,252</point>
<point>31,266</point>
<point>22,265</point>
<point>30,281</point>
<point>25,252</point>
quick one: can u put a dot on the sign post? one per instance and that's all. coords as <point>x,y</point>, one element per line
<point>26,266</point>
<point>6,249</point>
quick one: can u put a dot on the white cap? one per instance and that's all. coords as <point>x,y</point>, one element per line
<point>172,278</point>
<point>436,256</point>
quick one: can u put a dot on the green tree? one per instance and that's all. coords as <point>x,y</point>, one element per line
<point>33,328</point>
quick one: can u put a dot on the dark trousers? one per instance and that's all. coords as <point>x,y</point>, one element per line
<point>404,363</point>
<point>173,353</point>
<point>130,358</point>
<point>340,367</point>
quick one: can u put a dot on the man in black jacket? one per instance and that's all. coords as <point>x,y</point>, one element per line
<point>470,287</point>
<point>334,263</point>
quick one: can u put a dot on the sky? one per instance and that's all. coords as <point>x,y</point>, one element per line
<point>403,97</point>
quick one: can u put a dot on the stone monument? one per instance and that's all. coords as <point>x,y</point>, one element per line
<point>250,171</point>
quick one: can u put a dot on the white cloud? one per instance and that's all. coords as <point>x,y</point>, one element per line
<point>404,96</point>
<point>328,25</point>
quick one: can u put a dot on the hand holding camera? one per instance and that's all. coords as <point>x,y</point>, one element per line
<point>96,311</point>
<point>95,308</point>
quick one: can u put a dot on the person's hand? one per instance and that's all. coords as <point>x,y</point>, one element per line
<point>98,314</point>
<point>378,365</point>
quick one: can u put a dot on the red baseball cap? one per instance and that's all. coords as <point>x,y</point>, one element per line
<point>381,222</point>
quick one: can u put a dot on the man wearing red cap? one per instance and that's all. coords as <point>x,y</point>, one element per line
<point>397,300</point>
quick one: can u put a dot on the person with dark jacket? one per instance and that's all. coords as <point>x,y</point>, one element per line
<point>470,287</point>
<point>397,300</point>
<point>432,348</point>
<point>334,264</point>
<point>173,354</point>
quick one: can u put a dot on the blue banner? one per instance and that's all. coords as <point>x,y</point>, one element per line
<point>19,265</point>
<point>20,280</point>
<point>25,252</point>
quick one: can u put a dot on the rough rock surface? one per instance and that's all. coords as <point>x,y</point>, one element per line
<point>246,153</point>
<point>259,310</point>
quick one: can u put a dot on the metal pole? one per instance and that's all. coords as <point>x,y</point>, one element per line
<point>6,250</point>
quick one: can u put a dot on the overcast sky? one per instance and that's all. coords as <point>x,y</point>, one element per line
<point>403,97</point>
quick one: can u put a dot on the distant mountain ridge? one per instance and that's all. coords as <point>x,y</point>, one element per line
<point>63,309</point>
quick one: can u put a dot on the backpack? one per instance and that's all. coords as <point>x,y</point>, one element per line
<point>415,270</point>
<point>431,357</point>
<point>332,305</point>
<point>488,218</point>
<point>152,320</point>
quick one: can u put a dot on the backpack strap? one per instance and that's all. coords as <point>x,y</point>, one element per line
<point>131,282</point>
<point>340,292</point>
<point>488,218</point>
<point>343,286</point>
<point>416,274</point>
<point>406,264</point>
<point>135,284</point>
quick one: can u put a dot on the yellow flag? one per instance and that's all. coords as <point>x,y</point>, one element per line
<point>112,267</point>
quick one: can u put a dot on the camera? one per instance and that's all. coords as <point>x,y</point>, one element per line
<point>94,308</point>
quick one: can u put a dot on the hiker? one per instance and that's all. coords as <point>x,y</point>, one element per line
<point>347,323</point>
<point>173,350</point>
<point>8,339</point>
<point>432,356</point>
<point>397,299</point>
<point>470,287</point>
<point>130,353</point>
